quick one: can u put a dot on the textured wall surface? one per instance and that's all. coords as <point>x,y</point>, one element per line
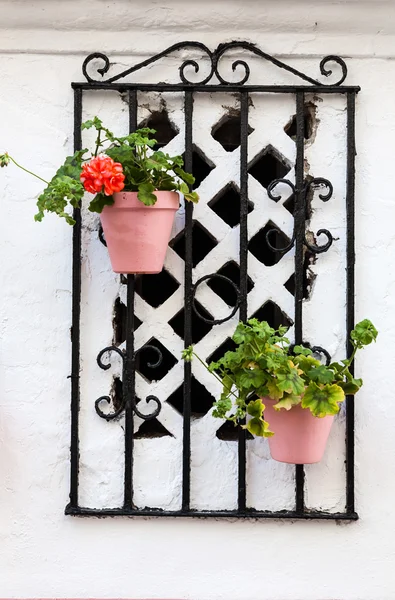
<point>42,552</point>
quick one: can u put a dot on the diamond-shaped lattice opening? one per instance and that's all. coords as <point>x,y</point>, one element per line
<point>267,166</point>
<point>227,345</point>
<point>229,432</point>
<point>152,428</point>
<point>119,322</point>
<point>201,166</point>
<point>259,247</point>
<point>290,284</point>
<point>201,399</point>
<point>228,131</point>
<point>273,314</point>
<point>308,279</point>
<point>309,115</point>
<point>199,327</point>
<point>202,243</point>
<point>165,129</point>
<point>226,204</point>
<point>149,356</point>
<point>223,289</point>
<point>290,204</point>
<point>156,289</point>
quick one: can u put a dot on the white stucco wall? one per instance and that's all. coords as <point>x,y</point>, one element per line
<point>46,554</point>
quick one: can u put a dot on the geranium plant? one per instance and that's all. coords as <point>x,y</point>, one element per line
<point>265,365</point>
<point>117,164</point>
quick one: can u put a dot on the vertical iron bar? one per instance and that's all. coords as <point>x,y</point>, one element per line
<point>129,377</point>
<point>186,453</point>
<point>75,325</point>
<point>350,211</point>
<point>299,217</point>
<point>243,275</point>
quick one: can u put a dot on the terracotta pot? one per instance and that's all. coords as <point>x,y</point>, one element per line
<point>137,235</point>
<point>299,437</point>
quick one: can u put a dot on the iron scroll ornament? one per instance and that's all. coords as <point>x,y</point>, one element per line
<point>318,350</point>
<point>308,185</point>
<point>214,58</point>
<point>109,416</point>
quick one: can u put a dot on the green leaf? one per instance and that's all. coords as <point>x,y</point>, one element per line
<point>288,402</point>
<point>350,387</point>
<point>99,202</point>
<point>321,374</point>
<point>183,188</point>
<point>95,122</point>
<point>258,427</point>
<point>221,407</point>
<point>322,400</point>
<point>290,381</point>
<point>192,197</point>
<point>187,177</point>
<point>364,333</point>
<point>305,363</point>
<point>62,190</point>
<point>155,165</point>
<point>273,392</point>
<point>145,194</point>
<point>242,333</point>
<point>255,408</point>
<point>302,350</point>
<point>251,378</point>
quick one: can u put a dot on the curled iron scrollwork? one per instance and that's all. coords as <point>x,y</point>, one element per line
<point>311,184</point>
<point>154,349</point>
<point>213,64</point>
<point>320,350</point>
<point>109,416</point>
<point>328,72</point>
<point>154,413</point>
<point>179,46</point>
<point>272,231</point>
<point>308,185</point>
<point>108,349</point>
<point>223,278</point>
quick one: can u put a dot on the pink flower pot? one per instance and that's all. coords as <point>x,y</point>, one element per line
<point>137,235</point>
<point>299,437</point>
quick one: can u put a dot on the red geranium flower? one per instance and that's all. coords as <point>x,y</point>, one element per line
<point>102,172</point>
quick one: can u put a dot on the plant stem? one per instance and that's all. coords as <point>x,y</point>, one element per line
<point>356,347</point>
<point>214,375</point>
<point>98,142</point>
<point>27,170</point>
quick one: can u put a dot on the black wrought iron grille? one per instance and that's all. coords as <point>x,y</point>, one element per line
<point>215,82</point>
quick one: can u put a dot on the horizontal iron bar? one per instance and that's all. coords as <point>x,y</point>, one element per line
<point>182,87</point>
<point>246,514</point>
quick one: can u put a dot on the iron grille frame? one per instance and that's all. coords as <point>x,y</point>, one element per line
<point>243,89</point>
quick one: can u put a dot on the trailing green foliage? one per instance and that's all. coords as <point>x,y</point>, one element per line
<point>145,172</point>
<point>65,187</point>
<point>264,365</point>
